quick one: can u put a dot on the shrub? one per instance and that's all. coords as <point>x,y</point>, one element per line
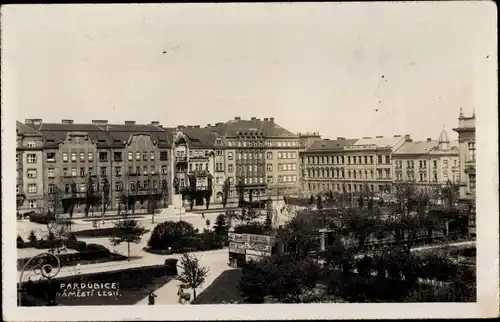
<point>171,264</point>
<point>32,237</point>
<point>168,233</point>
<point>47,244</point>
<point>103,232</point>
<point>20,242</point>
<point>96,247</point>
<point>72,237</point>
<point>42,218</point>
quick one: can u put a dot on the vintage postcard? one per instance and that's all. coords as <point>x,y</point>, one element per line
<point>249,161</point>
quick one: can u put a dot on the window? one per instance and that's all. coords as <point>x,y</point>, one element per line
<point>129,156</point>
<point>152,170</point>
<point>118,186</point>
<point>90,170</point>
<point>32,188</point>
<point>51,157</point>
<point>82,172</point>
<point>132,185</point>
<point>387,173</point>
<point>31,173</point>
<point>269,179</point>
<point>144,156</point>
<point>91,156</point>
<point>379,159</point>
<point>73,172</point>
<point>30,144</point>
<point>103,156</point>
<point>163,169</point>
<point>138,170</point>
<point>32,158</point>
<point>51,172</point>
<point>104,171</point>
<point>269,155</point>
<point>288,155</point>
<point>230,155</point>
<point>348,160</point>
<point>65,157</point>
<point>270,167</point>
<point>145,170</point>
<point>82,157</point>
<point>445,164</point>
<point>366,159</point>
<point>163,156</point>
<point>73,156</point>
<point>472,151</point>
<point>472,181</point>
<point>31,204</point>
<point>230,168</point>
<point>117,157</point>
<point>118,171</point>
<point>138,156</point>
<point>65,172</point>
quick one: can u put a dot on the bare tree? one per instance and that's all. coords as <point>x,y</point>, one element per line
<point>225,192</point>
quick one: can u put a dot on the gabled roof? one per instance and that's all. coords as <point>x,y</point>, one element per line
<point>330,145</point>
<point>22,128</point>
<point>419,147</point>
<point>200,137</point>
<point>269,128</point>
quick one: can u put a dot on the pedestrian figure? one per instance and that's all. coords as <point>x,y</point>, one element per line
<point>151,298</point>
<point>203,215</point>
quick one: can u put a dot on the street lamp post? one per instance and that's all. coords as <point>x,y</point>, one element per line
<point>41,268</point>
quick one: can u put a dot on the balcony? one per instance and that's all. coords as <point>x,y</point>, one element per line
<point>180,159</point>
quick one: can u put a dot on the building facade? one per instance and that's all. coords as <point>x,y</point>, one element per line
<point>29,169</point>
<point>323,166</point>
<point>427,163</point>
<point>467,166</point>
<point>116,162</point>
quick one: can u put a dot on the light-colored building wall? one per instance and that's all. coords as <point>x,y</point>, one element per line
<point>31,173</point>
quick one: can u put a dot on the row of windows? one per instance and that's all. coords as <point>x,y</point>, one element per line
<point>32,188</point>
<point>250,156</point>
<point>287,179</point>
<point>103,156</point>
<point>118,186</point>
<point>286,166</point>
<point>287,155</point>
<point>104,171</point>
<point>250,168</point>
<point>367,159</point>
<point>263,143</point>
<point>198,167</point>
<point>346,188</point>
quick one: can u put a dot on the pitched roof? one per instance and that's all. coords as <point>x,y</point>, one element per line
<point>419,147</point>
<point>330,145</point>
<point>269,128</point>
<point>104,135</point>
<point>200,137</point>
<point>380,142</point>
<point>22,128</point>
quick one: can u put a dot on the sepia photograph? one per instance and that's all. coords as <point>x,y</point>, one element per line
<point>250,161</point>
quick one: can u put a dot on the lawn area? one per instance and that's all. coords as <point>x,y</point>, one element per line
<point>224,288</point>
<point>130,287</point>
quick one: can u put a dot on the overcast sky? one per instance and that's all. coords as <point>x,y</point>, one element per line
<point>352,70</point>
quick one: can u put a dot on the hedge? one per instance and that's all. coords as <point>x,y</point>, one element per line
<point>102,232</point>
<point>197,242</point>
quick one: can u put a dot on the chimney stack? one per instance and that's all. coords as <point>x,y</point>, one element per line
<point>196,126</point>
<point>380,136</point>
<point>67,121</point>
<point>33,121</point>
<point>130,122</point>
<point>397,136</point>
<point>253,118</point>
<point>340,138</point>
<point>266,119</point>
<point>209,125</point>
<point>428,139</point>
<point>407,138</point>
<point>271,119</point>
<point>237,118</point>
<point>100,122</point>
<point>157,123</point>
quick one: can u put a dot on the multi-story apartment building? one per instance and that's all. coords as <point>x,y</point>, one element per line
<point>467,153</point>
<point>368,163</point>
<point>196,156</point>
<point>427,163</point>
<point>323,165</point>
<point>260,155</point>
<point>132,160</point>
<point>29,168</point>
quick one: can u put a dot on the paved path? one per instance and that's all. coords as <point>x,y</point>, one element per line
<point>216,261</point>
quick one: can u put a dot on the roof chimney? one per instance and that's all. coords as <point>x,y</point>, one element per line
<point>100,122</point>
<point>367,137</point>
<point>67,121</point>
<point>237,118</point>
<point>397,136</point>
<point>196,126</point>
<point>157,123</point>
<point>429,139</point>
<point>180,126</point>
<point>340,138</point>
<point>253,118</point>
<point>266,119</point>
<point>218,123</point>
<point>209,125</point>
<point>271,119</point>
<point>407,138</point>
<point>130,122</point>
<point>33,121</point>
<point>380,136</point>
